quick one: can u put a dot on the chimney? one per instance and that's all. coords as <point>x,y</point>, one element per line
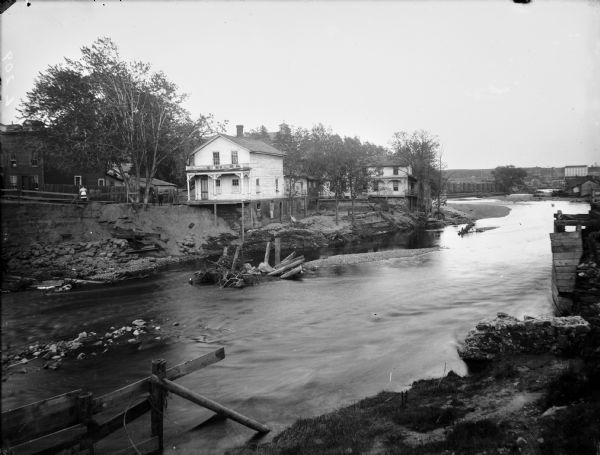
<point>240,130</point>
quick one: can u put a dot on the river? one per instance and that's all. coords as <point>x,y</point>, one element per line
<point>297,348</point>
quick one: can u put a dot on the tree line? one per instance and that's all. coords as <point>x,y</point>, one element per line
<point>102,112</point>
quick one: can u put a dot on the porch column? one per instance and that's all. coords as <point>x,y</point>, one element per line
<point>188,186</point>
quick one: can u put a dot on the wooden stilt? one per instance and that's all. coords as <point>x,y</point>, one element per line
<point>157,400</point>
<point>215,212</point>
<point>277,250</point>
<point>210,404</point>
<point>242,221</point>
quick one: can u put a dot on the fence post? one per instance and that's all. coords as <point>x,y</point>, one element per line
<point>158,402</point>
<point>84,414</point>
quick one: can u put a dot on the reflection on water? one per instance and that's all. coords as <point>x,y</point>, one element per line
<point>299,348</point>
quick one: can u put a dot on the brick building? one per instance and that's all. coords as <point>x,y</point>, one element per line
<point>22,155</point>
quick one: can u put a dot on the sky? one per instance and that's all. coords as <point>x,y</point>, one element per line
<point>497,82</point>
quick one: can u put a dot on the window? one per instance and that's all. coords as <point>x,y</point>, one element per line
<point>235,183</point>
<point>376,185</point>
<point>395,171</point>
<point>34,160</point>
<point>13,160</point>
<point>234,157</point>
<point>36,181</point>
<point>301,187</point>
<point>395,184</point>
<point>218,186</point>
<point>258,206</point>
<point>101,182</point>
<point>257,186</point>
<point>13,182</point>
<point>216,158</point>
<point>277,185</point>
<point>77,180</point>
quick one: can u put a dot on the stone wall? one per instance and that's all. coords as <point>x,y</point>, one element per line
<point>505,335</point>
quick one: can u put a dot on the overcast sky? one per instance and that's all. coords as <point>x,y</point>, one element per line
<point>499,83</point>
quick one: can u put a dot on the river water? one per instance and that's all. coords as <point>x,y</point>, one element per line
<point>297,348</point>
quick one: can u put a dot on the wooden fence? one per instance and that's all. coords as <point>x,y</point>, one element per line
<point>77,420</point>
<point>70,193</point>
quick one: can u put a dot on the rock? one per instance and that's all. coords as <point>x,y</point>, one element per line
<point>505,335</point>
<point>138,323</point>
<point>553,410</point>
<point>81,356</point>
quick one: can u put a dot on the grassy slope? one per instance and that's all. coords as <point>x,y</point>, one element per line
<point>496,411</point>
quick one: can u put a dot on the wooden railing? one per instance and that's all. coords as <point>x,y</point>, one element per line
<point>78,420</point>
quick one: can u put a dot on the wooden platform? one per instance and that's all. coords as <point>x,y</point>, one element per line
<point>567,249</point>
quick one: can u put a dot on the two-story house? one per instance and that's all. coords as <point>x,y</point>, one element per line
<point>391,179</point>
<point>233,169</point>
<point>22,155</point>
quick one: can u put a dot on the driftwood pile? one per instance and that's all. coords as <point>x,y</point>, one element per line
<point>235,273</point>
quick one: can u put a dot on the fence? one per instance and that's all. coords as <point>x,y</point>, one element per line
<point>76,420</point>
<point>70,193</point>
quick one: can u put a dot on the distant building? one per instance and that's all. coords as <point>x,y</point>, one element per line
<point>22,155</point>
<point>576,171</point>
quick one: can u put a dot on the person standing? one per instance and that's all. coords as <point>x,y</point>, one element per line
<point>83,193</point>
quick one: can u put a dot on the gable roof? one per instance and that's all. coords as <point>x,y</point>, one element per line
<point>253,145</point>
<point>387,162</point>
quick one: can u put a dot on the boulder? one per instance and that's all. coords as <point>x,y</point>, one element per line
<point>505,335</point>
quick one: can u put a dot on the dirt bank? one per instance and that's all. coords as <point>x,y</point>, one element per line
<point>109,242</point>
<point>477,211</point>
<point>346,259</point>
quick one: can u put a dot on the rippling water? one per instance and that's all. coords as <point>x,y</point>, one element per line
<point>298,348</point>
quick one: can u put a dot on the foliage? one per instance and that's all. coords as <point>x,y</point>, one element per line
<point>102,112</point>
<point>509,176</point>
<point>420,151</point>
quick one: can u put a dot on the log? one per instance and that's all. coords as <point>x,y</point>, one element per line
<point>267,251</point>
<point>210,404</point>
<point>235,258</point>
<point>277,251</point>
<point>292,273</point>
<point>288,258</point>
<point>289,266</point>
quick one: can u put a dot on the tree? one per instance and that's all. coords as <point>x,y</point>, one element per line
<point>419,150</point>
<point>509,176</point>
<point>358,176</point>
<point>103,111</point>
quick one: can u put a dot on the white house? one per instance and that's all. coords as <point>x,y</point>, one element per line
<point>390,179</point>
<point>235,169</point>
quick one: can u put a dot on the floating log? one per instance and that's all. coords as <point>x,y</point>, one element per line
<point>292,273</point>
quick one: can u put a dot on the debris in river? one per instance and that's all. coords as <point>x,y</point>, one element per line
<point>227,272</point>
<point>466,229</point>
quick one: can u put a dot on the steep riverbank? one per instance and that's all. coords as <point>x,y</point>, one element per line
<point>107,243</point>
